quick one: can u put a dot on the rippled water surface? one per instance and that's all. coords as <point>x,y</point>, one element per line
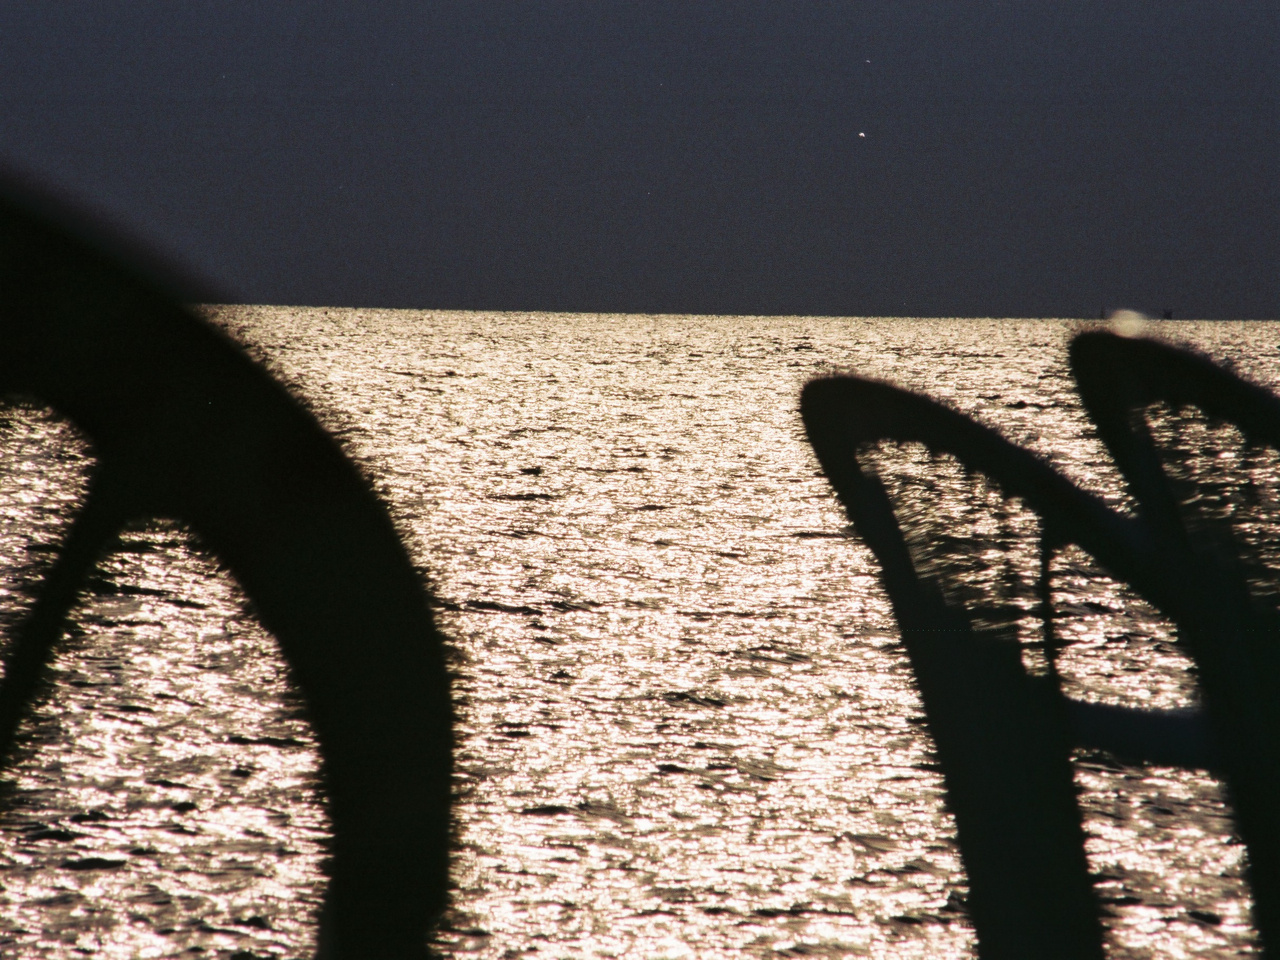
<point>686,726</point>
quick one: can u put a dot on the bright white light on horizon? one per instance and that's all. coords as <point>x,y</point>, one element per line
<point>1127,323</point>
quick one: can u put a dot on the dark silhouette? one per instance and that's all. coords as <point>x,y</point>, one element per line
<point>1210,497</point>
<point>185,426</point>
<point>1002,733</point>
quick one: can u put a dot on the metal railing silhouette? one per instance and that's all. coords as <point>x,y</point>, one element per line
<point>965,551</point>
<point>183,425</point>
<point>1198,447</point>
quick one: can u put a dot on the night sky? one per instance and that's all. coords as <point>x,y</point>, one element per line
<point>871,158</point>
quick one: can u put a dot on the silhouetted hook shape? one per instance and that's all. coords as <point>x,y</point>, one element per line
<point>185,426</point>
<point>1234,629</point>
<point>1002,734</point>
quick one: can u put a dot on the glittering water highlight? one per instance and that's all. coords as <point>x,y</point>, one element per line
<point>686,727</point>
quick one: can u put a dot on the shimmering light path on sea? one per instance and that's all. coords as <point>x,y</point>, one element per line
<point>686,729</point>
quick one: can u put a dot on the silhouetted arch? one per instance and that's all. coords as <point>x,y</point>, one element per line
<point>1236,644</point>
<point>185,426</point>
<point>1003,734</point>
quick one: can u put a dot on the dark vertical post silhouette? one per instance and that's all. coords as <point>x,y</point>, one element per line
<point>184,425</point>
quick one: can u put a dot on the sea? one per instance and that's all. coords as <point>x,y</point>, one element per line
<point>687,727</point>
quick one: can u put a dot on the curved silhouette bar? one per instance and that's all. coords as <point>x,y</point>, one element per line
<point>845,412</point>
<point>1236,636</point>
<point>1003,735</point>
<point>185,426</point>
<point>1117,376</point>
<point>1172,738</point>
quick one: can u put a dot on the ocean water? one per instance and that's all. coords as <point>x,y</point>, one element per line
<point>686,726</point>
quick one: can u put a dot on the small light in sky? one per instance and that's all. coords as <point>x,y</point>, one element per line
<point>861,134</point>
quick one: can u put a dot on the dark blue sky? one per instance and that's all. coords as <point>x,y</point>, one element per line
<point>1025,159</point>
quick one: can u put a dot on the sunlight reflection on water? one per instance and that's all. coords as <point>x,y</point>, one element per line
<point>686,728</point>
